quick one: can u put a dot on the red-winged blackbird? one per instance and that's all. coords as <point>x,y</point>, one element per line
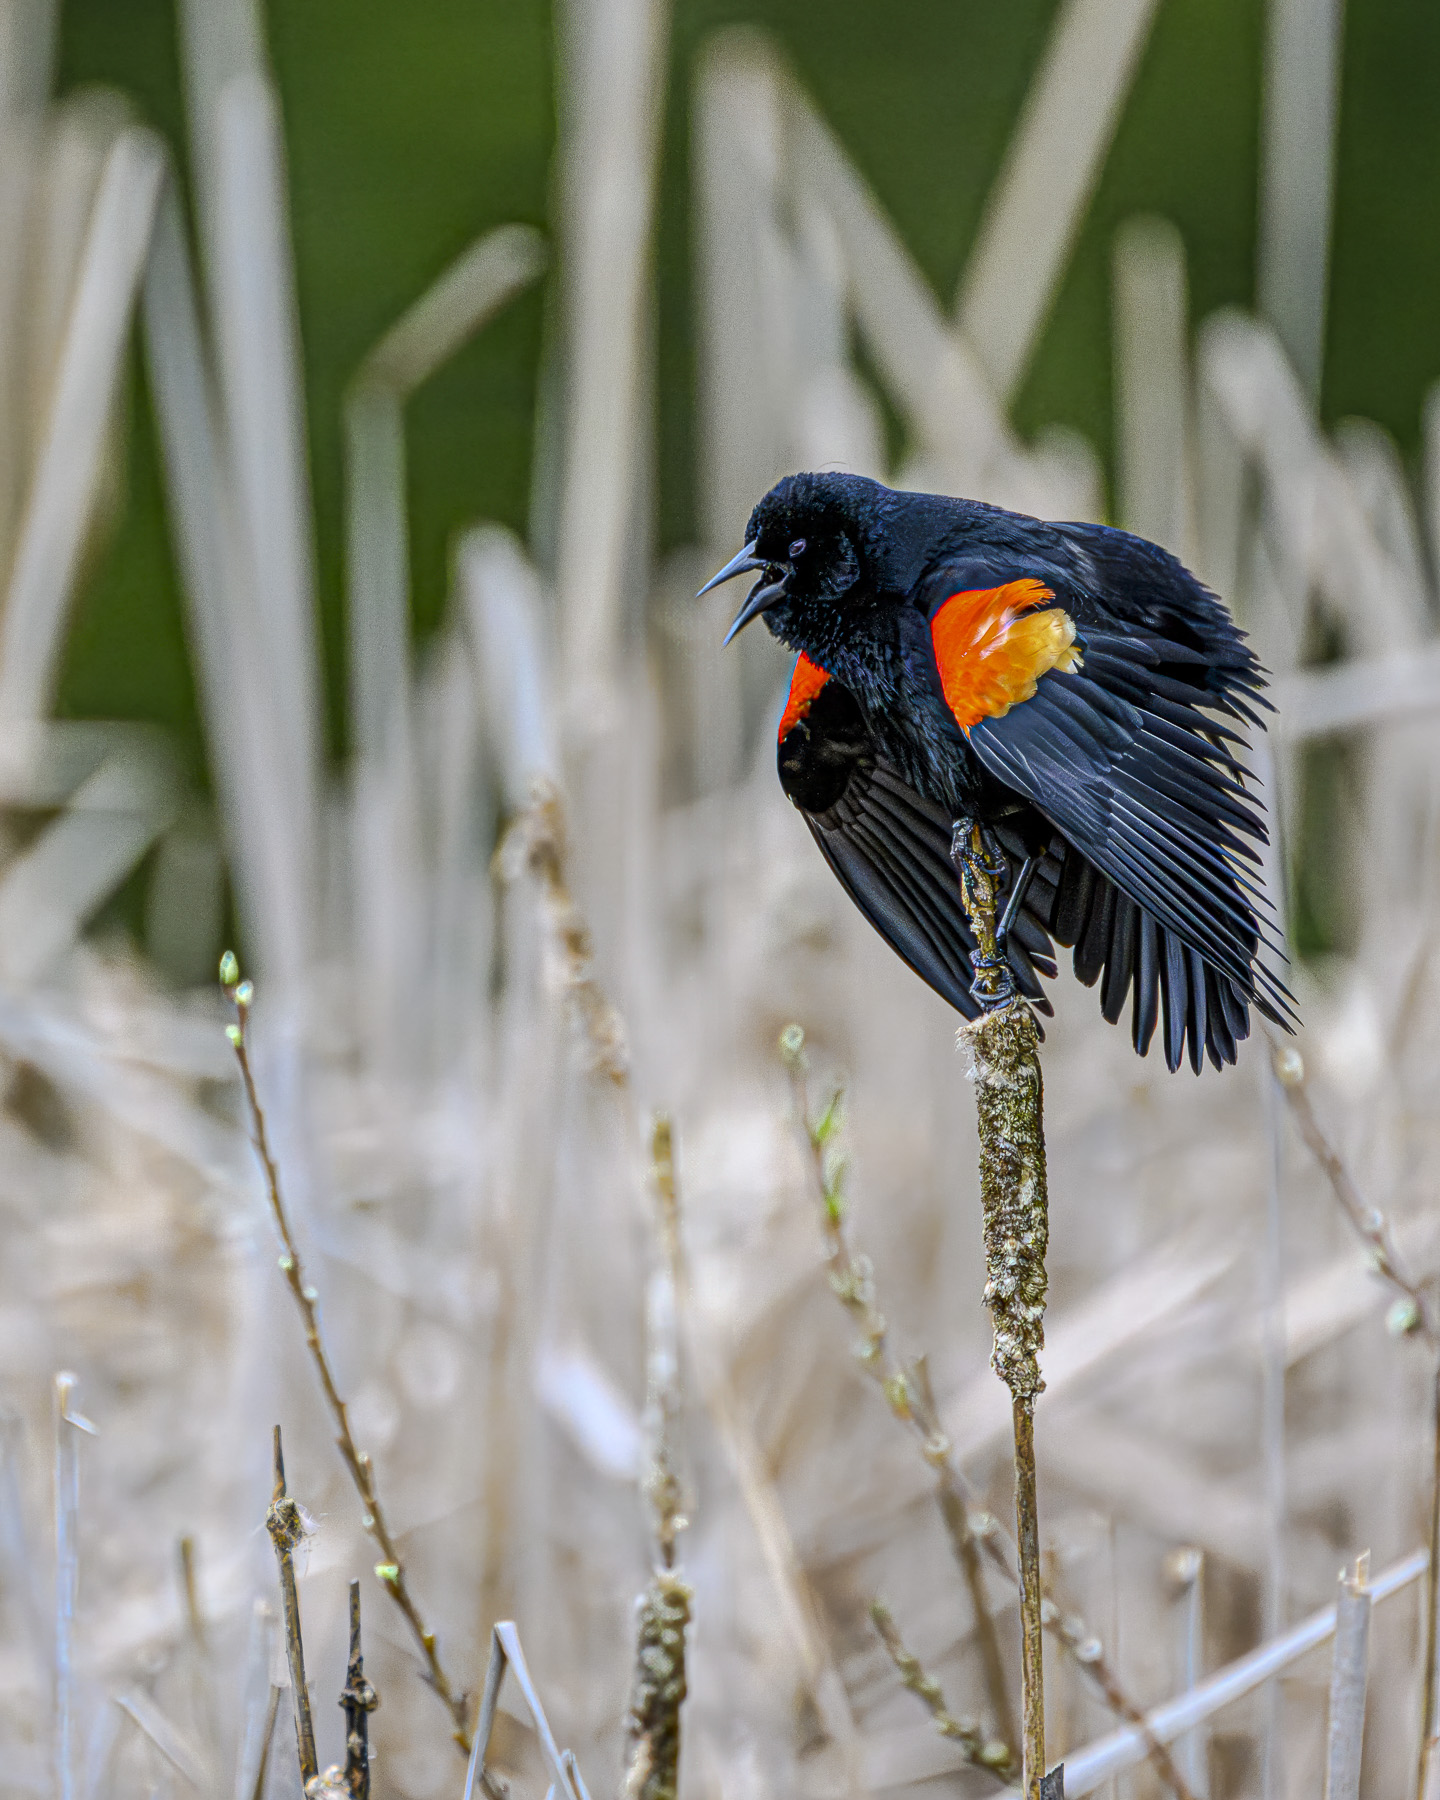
<point>1062,687</point>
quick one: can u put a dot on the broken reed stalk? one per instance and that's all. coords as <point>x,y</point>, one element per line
<point>1009,1104</point>
<point>286,1529</point>
<point>975,1748</point>
<point>1412,1314</point>
<point>972,1530</point>
<point>653,1727</point>
<point>390,1569</point>
<point>1349,1673</point>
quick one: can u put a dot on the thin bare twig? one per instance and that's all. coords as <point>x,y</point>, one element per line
<point>972,1530</point>
<point>390,1569</point>
<point>981,1752</point>
<point>1412,1314</point>
<point>659,1684</point>
<point>286,1529</point>
<point>906,1389</point>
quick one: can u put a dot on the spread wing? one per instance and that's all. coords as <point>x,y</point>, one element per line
<point>1113,729</point>
<point>888,846</point>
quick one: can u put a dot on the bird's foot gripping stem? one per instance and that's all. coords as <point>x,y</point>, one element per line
<point>981,867</point>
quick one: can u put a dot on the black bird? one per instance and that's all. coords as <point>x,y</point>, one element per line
<point>1065,687</point>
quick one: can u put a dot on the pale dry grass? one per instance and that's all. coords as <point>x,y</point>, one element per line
<point>467,1188</point>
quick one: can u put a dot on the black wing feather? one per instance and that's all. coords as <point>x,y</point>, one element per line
<point>889,848</point>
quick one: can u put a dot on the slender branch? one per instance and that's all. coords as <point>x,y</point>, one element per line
<point>1412,1314</point>
<point>973,1531</point>
<point>978,1750</point>
<point>390,1569</point>
<point>1414,1311</point>
<point>659,1686</point>
<point>907,1391</point>
<point>1071,1631</point>
<point>967,1532</point>
<point>286,1529</point>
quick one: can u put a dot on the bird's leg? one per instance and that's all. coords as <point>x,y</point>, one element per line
<point>1014,900</point>
<point>980,866</point>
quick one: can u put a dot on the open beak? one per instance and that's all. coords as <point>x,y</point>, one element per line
<point>737,565</point>
<point>760,599</point>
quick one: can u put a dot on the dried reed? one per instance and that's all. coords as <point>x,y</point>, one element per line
<point>475,1224</point>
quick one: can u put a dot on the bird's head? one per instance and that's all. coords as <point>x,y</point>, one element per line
<point>824,556</point>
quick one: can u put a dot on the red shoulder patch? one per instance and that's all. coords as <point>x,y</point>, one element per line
<point>992,646</point>
<point>805,684</point>
<point>807,681</point>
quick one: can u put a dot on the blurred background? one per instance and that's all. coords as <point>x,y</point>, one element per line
<point>377,386</point>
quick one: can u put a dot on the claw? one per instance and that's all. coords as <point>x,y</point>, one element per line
<point>980,867</point>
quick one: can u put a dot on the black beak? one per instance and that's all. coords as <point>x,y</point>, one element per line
<point>737,565</point>
<point>760,600</point>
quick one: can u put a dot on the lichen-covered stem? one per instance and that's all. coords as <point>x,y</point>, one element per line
<point>652,1769</point>
<point>1009,1104</point>
<point>653,1763</point>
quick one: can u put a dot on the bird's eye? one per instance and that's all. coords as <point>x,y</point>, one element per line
<point>796,549</point>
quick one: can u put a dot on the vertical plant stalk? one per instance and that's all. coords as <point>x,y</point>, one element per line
<point>1185,1568</point>
<point>390,1569</point>
<point>534,846</point>
<point>1349,1673</point>
<point>973,1532</point>
<point>1432,1602</point>
<point>286,1530</point>
<point>262,1767</point>
<point>359,1700</point>
<point>1412,1314</point>
<point>1009,1103</point>
<point>653,1748</point>
<point>68,1426</point>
